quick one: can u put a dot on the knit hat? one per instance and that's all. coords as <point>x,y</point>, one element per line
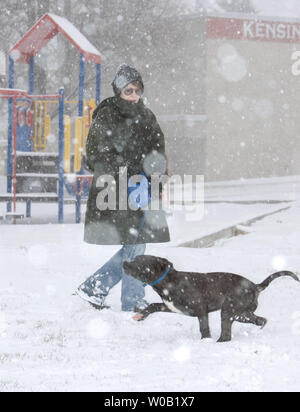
<point>126,75</point>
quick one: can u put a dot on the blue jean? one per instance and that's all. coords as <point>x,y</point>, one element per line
<point>98,286</point>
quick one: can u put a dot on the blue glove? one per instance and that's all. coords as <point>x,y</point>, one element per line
<point>140,193</point>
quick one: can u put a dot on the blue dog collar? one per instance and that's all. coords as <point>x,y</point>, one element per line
<point>160,279</point>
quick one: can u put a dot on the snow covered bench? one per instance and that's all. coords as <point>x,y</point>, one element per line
<point>28,198</point>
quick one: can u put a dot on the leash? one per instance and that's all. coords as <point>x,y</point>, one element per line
<point>138,235</point>
<point>169,268</point>
<point>141,225</point>
<point>140,228</point>
<point>160,279</point>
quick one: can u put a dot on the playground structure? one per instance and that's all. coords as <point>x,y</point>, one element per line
<point>33,174</point>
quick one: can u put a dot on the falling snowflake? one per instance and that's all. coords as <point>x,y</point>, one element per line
<point>3,324</point>
<point>278,262</point>
<point>182,354</point>
<point>98,328</point>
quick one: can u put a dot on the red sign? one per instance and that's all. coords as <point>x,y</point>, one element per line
<point>21,117</point>
<point>255,30</point>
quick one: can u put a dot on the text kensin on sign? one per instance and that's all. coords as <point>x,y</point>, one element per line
<point>271,31</point>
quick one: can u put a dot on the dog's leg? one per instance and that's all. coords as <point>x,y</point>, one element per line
<point>227,321</point>
<point>251,318</point>
<point>154,307</point>
<point>204,326</point>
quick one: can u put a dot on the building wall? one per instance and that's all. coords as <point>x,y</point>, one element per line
<point>229,108</point>
<point>253,110</point>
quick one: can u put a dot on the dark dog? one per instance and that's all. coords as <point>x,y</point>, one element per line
<point>196,294</point>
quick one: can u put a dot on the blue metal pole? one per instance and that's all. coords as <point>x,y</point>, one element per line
<point>10,132</point>
<point>28,208</point>
<point>31,76</point>
<point>31,89</point>
<point>81,85</point>
<point>78,201</point>
<point>11,73</point>
<point>98,84</point>
<point>61,168</point>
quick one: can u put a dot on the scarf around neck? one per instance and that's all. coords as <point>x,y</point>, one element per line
<point>128,109</point>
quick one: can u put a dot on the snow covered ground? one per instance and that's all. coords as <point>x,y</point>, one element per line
<point>53,341</point>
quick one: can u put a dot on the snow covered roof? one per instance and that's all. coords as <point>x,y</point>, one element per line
<point>12,93</point>
<point>45,30</point>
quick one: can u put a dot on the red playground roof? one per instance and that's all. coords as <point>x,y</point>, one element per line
<point>6,93</point>
<point>45,30</point>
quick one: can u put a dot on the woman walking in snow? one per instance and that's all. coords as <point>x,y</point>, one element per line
<point>124,133</point>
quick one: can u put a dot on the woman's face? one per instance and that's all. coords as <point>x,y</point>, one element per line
<point>132,93</point>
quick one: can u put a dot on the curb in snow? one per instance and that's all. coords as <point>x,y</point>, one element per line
<point>236,230</point>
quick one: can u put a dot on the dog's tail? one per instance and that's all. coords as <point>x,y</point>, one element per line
<point>273,277</point>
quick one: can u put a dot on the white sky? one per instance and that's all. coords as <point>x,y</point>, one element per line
<point>283,8</point>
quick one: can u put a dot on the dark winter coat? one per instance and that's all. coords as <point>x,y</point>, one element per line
<point>122,134</point>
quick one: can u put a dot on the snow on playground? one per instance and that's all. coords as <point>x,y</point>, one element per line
<point>53,341</point>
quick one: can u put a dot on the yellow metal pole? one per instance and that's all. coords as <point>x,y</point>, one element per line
<point>47,130</point>
<point>88,122</point>
<point>85,125</point>
<point>40,145</point>
<point>78,144</point>
<point>35,126</point>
